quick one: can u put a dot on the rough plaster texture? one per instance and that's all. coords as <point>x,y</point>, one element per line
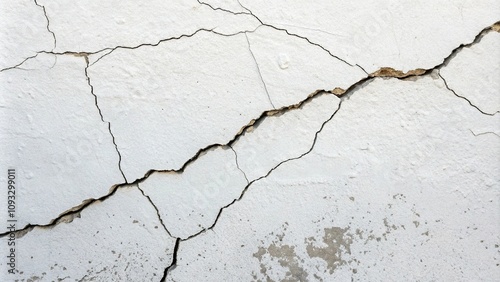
<point>251,140</point>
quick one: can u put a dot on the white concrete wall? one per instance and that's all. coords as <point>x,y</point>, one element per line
<point>248,140</point>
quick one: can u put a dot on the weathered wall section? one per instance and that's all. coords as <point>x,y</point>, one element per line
<point>250,140</point>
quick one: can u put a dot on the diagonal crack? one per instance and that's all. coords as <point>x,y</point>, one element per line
<point>301,37</point>
<point>157,211</point>
<point>77,209</point>
<point>459,96</point>
<point>343,94</point>
<point>20,64</point>
<point>48,23</point>
<point>249,12</point>
<point>48,29</point>
<point>266,175</point>
<point>102,118</point>
<point>258,70</point>
<point>238,165</point>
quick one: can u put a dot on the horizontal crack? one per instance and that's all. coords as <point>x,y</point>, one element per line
<point>483,133</point>
<point>112,49</point>
<point>224,10</point>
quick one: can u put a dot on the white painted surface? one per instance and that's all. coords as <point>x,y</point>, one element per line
<point>424,204</point>
<point>283,136</point>
<point>190,201</point>
<point>374,34</point>
<point>23,27</point>
<point>474,74</point>
<point>119,239</point>
<point>244,163</point>
<point>53,134</point>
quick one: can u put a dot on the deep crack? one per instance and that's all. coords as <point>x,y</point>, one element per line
<point>174,261</point>
<point>346,94</point>
<point>266,175</point>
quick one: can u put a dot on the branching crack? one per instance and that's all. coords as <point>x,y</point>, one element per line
<point>343,94</point>
<point>267,174</point>
<point>20,64</point>
<point>299,36</point>
<point>224,10</point>
<point>112,49</point>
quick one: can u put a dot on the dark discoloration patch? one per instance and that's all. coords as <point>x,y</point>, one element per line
<point>337,241</point>
<point>285,255</point>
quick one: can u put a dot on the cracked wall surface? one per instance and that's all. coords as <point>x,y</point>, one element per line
<point>241,140</point>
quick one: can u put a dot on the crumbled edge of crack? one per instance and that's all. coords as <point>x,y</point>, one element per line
<point>361,83</point>
<point>496,27</point>
<point>245,189</point>
<point>250,126</point>
<point>391,73</point>
<point>338,91</point>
